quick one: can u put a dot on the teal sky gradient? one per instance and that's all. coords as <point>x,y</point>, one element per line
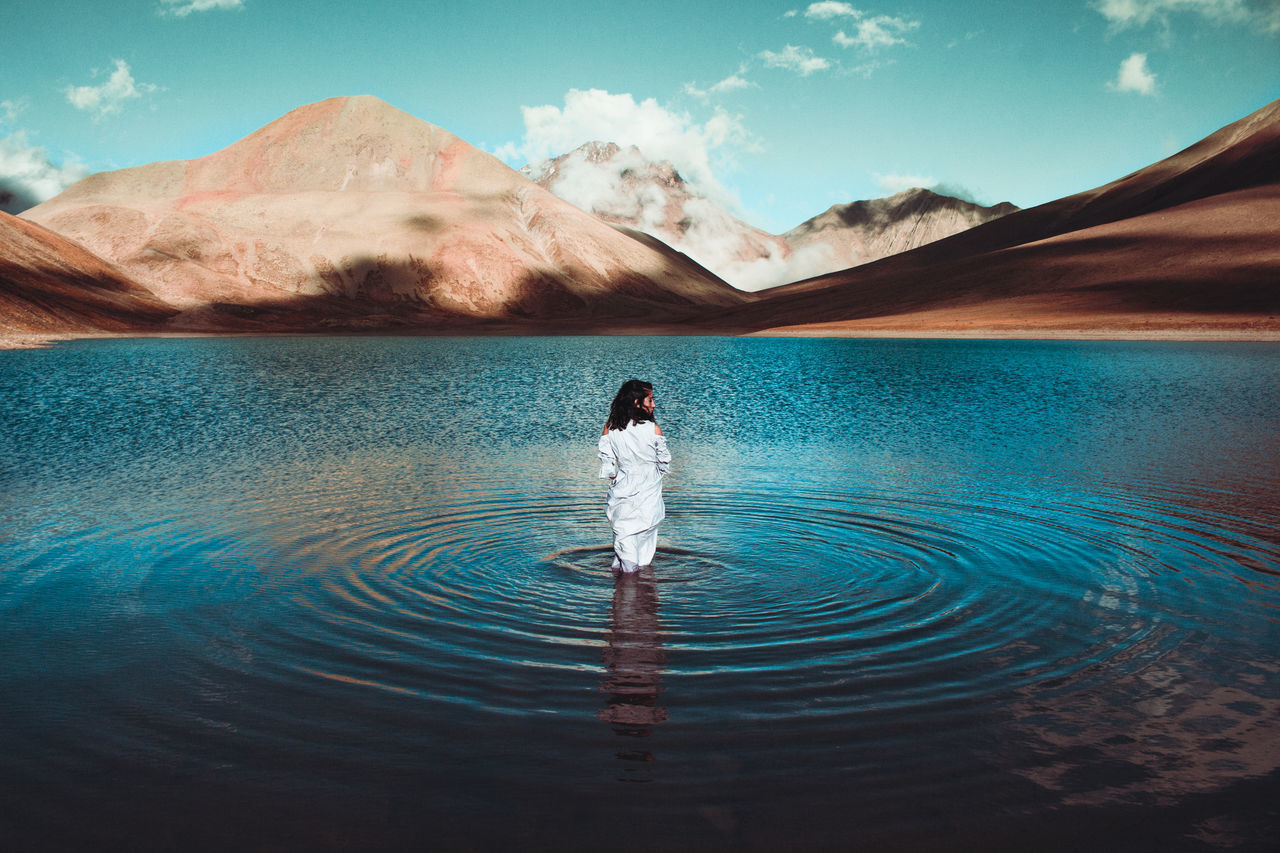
<point>1007,101</point>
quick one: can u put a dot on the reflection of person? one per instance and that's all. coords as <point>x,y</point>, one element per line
<point>634,656</point>
<point>634,458</point>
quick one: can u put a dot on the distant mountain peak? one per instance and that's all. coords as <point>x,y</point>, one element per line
<point>631,165</point>
<point>860,232</point>
<point>598,152</point>
<point>914,201</point>
<point>626,189</point>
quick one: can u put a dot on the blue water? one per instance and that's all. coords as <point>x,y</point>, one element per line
<point>354,593</point>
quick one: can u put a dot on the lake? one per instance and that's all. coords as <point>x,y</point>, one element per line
<point>354,593</point>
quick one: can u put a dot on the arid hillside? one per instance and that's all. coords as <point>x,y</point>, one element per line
<point>350,213</point>
<point>1188,245</point>
<point>51,284</point>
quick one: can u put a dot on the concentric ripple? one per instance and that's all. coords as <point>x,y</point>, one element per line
<point>789,590</point>
<point>337,621</point>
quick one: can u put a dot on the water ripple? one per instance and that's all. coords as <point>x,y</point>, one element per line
<point>440,615</point>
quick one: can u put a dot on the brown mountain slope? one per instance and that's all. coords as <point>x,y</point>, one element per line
<point>50,284</point>
<point>1192,241</point>
<point>864,231</point>
<point>350,212</point>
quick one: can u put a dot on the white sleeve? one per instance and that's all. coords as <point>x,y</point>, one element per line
<point>608,462</point>
<point>662,453</point>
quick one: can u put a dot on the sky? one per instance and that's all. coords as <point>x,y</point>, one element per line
<point>778,110</point>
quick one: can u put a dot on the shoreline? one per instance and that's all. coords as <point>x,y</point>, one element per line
<point>43,340</point>
<point>1031,334</point>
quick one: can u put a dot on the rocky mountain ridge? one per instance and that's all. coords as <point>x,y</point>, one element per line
<point>864,231</point>
<point>623,187</point>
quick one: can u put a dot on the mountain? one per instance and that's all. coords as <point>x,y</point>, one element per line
<point>621,186</point>
<point>864,231</point>
<point>1191,243</point>
<point>351,213</point>
<point>51,284</point>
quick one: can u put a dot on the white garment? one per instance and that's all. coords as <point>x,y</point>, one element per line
<point>635,459</point>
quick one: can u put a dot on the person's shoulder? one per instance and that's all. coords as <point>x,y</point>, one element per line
<point>657,430</point>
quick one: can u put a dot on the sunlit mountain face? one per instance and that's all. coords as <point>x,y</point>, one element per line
<point>351,211</point>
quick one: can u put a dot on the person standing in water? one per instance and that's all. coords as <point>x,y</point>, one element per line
<point>634,459</point>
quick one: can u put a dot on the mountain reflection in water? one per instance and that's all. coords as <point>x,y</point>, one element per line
<point>635,658</point>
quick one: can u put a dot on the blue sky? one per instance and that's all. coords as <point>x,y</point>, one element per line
<point>779,109</point>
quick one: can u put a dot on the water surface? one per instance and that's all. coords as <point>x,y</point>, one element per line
<point>325,593</point>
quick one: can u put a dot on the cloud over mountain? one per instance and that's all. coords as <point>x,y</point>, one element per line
<point>693,147</point>
<point>28,176</point>
<point>624,187</point>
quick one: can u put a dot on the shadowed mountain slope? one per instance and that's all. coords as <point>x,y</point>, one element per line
<point>1193,239</point>
<point>51,284</point>
<point>350,212</point>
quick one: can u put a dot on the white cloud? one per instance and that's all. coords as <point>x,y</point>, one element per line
<point>1263,15</point>
<point>969,36</point>
<point>798,59</point>
<point>732,83</point>
<point>865,69</point>
<point>896,183</point>
<point>825,11</point>
<point>606,187</point>
<point>622,185</point>
<point>1127,13</point>
<point>10,110</point>
<point>28,176</point>
<point>865,31</point>
<point>693,147</point>
<point>869,32</point>
<point>182,8</point>
<point>961,192</point>
<point>880,31</point>
<point>1134,76</point>
<point>107,98</point>
<point>892,184</point>
<point>776,269</point>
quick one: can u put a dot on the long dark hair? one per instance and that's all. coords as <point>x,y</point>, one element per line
<point>626,407</point>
